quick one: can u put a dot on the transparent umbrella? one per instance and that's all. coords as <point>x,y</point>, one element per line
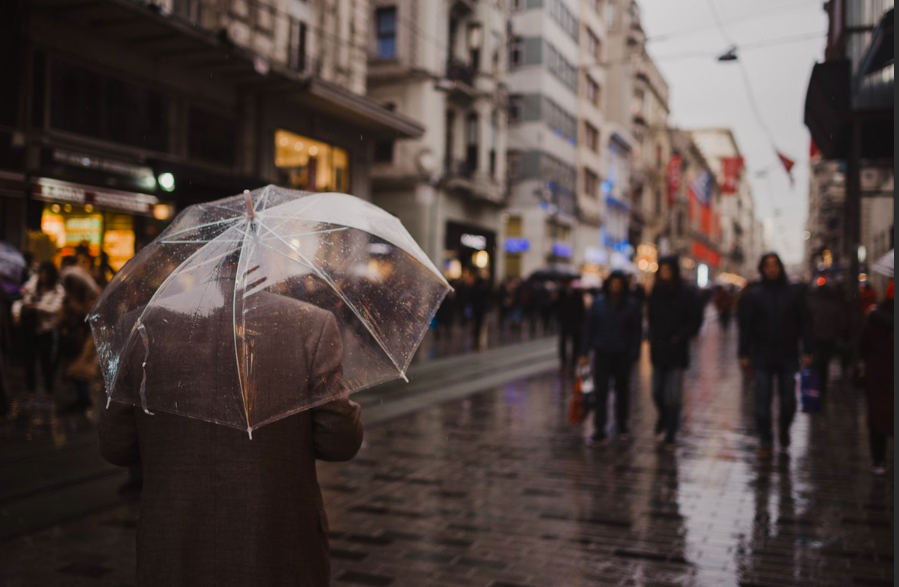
<point>12,263</point>
<point>255,307</point>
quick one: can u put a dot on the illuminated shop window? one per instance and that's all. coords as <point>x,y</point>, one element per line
<point>307,164</point>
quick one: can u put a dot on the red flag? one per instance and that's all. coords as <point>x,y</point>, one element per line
<point>786,162</point>
<point>674,178</point>
<point>730,169</point>
<point>813,151</point>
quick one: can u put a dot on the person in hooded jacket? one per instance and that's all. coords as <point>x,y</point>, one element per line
<point>876,350</point>
<point>774,328</point>
<point>613,331</point>
<point>675,316</point>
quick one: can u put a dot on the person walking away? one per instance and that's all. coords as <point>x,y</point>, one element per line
<point>219,509</point>
<point>571,314</point>
<point>480,304</point>
<point>77,351</point>
<point>876,350</point>
<point>827,326</point>
<point>613,333</point>
<point>724,302</point>
<point>675,317</point>
<point>774,325</point>
<point>37,317</point>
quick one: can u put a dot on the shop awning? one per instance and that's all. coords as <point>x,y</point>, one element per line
<point>64,192</point>
<point>174,41</point>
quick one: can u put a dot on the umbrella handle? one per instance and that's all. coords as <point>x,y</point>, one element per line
<point>250,211</point>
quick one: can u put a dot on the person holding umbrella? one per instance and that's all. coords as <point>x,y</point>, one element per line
<point>229,347</point>
<point>613,332</point>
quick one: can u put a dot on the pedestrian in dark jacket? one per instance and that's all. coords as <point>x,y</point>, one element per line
<point>774,328</point>
<point>613,333</point>
<point>571,314</point>
<point>827,326</point>
<point>876,349</point>
<point>675,316</point>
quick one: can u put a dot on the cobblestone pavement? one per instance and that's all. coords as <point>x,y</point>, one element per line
<point>498,490</point>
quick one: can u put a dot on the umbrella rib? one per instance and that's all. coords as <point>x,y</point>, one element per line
<point>156,293</point>
<point>327,231</point>
<point>349,304</point>
<point>208,224</point>
<point>243,394</point>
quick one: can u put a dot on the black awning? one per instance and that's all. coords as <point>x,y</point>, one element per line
<point>828,109</point>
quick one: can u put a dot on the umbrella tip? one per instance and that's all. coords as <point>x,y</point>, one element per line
<point>403,375</point>
<point>249,200</point>
<point>250,433</point>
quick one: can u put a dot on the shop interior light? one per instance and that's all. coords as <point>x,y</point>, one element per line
<point>166,181</point>
<point>298,146</point>
<point>88,208</point>
<point>702,275</point>
<point>481,259</point>
<point>313,150</point>
<point>163,211</point>
<point>55,208</point>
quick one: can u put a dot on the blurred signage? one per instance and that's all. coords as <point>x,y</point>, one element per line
<point>88,168</point>
<point>474,241</point>
<point>730,171</point>
<point>517,245</point>
<point>595,255</point>
<point>674,177</point>
<point>51,190</point>
<point>562,250</point>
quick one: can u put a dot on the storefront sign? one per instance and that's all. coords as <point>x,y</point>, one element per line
<point>51,190</point>
<point>595,255</point>
<point>474,241</point>
<point>562,250</point>
<point>517,245</point>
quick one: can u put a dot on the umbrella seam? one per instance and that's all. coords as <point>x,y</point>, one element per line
<point>243,394</point>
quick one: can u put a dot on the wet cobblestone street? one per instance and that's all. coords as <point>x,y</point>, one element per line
<point>499,490</point>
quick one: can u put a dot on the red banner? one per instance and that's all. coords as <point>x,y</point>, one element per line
<point>674,177</point>
<point>703,254</point>
<point>730,171</point>
<point>705,222</point>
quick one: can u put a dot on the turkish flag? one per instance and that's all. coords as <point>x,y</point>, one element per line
<point>730,168</point>
<point>813,151</point>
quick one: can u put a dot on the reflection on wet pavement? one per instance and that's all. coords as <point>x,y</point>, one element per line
<point>498,490</point>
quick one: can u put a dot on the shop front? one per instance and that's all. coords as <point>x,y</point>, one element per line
<point>308,164</point>
<point>76,216</point>
<point>468,247</point>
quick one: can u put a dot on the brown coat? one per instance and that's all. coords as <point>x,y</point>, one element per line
<point>220,509</point>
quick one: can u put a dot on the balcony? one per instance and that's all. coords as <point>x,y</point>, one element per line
<point>459,81</point>
<point>462,177</point>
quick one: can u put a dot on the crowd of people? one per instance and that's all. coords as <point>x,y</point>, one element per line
<point>43,328</point>
<point>784,327</point>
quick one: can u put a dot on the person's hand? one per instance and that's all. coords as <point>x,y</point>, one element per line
<point>807,361</point>
<point>745,363</point>
<point>583,362</point>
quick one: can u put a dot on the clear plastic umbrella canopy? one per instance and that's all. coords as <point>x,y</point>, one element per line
<point>255,307</point>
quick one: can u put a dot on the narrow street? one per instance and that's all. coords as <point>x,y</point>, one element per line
<point>493,487</point>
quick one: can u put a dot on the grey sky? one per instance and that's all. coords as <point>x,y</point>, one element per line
<point>705,93</point>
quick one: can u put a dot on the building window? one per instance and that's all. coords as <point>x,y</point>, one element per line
<point>494,133</point>
<point>592,91</point>
<point>516,52</point>
<point>591,135</point>
<point>385,22</point>
<point>592,42</point>
<point>471,143</point>
<point>384,152</point>
<point>475,42</point>
<point>449,138</point>
<point>612,14</point>
<point>211,137</point>
<point>591,183</point>
<point>513,165</point>
<point>307,164</point>
<point>296,58</point>
<point>516,109</point>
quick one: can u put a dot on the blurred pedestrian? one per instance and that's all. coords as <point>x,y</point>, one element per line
<point>480,300</point>
<point>77,351</point>
<point>220,509</point>
<point>774,328</point>
<point>827,325</point>
<point>876,350</point>
<point>675,317</point>
<point>613,333</point>
<point>571,314</point>
<point>37,317</point>
<point>867,297</point>
<point>724,302</point>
